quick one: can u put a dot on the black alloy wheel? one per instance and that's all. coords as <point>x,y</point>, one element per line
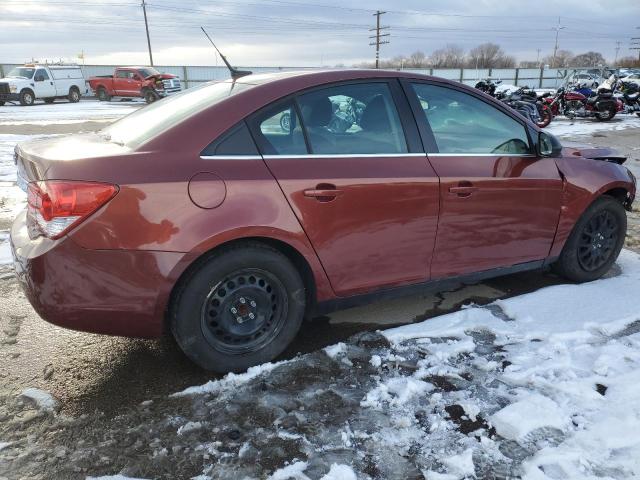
<point>244,312</point>
<point>598,240</point>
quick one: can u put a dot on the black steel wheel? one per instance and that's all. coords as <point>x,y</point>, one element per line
<point>245,311</point>
<point>595,241</point>
<point>238,307</point>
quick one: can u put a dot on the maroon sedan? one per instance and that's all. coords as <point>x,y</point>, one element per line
<point>226,213</point>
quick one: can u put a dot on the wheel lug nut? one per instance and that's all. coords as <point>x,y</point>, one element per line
<point>239,319</point>
<point>252,316</point>
<point>252,303</point>
<point>234,310</point>
<point>242,300</point>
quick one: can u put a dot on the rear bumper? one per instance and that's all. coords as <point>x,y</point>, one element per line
<point>115,292</point>
<point>9,97</point>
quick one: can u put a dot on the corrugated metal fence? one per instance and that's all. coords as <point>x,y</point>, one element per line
<point>194,75</point>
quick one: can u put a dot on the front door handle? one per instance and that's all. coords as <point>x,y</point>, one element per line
<point>464,189</point>
<point>324,192</point>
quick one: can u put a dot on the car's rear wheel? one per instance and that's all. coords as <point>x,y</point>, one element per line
<point>595,242</point>
<point>74,95</point>
<point>103,96</point>
<point>240,307</point>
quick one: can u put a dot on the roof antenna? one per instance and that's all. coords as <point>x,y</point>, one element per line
<point>235,73</point>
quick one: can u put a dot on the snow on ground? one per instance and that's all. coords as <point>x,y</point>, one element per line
<point>564,127</point>
<point>64,112</point>
<point>42,399</point>
<point>5,250</point>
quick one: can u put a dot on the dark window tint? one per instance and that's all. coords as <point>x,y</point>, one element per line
<point>462,123</point>
<point>279,131</point>
<point>236,141</point>
<point>352,119</point>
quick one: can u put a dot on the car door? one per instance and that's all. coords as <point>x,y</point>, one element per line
<point>351,166</point>
<point>500,203</point>
<point>121,83</point>
<point>43,84</point>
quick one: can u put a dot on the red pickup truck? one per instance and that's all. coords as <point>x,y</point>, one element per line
<point>145,82</point>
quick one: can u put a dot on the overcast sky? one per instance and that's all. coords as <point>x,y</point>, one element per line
<point>300,33</point>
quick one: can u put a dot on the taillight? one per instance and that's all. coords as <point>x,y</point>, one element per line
<point>54,207</point>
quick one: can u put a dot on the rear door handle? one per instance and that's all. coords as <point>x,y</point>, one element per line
<point>464,189</point>
<point>323,192</point>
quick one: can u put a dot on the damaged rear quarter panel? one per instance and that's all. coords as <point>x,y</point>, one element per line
<point>585,180</point>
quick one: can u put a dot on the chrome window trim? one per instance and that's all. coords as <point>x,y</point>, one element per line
<point>361,155</point>
<point>230,157</point>
<point>480,155</point>
<point>346,155</point>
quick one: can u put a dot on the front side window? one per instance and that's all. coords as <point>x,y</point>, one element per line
<point>352,119</point>
<point>122,74</point>
<point>280,131</point>
<point>462,123</point>
<point>42,74</point>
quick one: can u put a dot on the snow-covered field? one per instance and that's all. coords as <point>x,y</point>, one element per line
<point>66,113</point>
<point>565,128</point>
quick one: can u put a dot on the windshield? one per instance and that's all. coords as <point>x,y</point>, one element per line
<point>22,72</point>
<point>151,120</point>
<point>147,72</point>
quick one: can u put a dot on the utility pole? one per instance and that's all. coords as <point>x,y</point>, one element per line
<point>635,45</point>
<point>555,48</point>
<point>538,56</point>
<point>615,61</point>
<point>378,36</point>
<point>146,25</point>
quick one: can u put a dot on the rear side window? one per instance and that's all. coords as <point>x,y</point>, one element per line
<point>352,119</point>
<point>462,123</point>
<point>235,142</point>
<point>279,131</point>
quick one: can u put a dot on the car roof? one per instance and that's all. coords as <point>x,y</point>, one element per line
<point>326,76</point>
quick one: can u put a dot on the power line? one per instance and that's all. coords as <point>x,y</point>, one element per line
<point>378,36</point>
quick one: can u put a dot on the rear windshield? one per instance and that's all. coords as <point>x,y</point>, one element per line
<point>148,122</point>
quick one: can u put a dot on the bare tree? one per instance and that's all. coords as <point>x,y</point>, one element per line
<point>563,59</point>
<point>489,55</point>
<point>589,59</point>
<point>451,56</point>
<point>529,64</point>
<point>628,62</point>
<point>417,60</point>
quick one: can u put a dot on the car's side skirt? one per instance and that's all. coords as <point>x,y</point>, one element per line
<point>333,305</point>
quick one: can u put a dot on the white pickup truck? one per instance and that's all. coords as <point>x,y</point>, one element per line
<point>29,83</point>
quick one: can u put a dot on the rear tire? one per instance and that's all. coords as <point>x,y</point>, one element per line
<point>103,96</point>
<point>27,98</point>
<point>241,307</point>
<point>606,115</point>
<point>595,242</point>
<point>74,95</point>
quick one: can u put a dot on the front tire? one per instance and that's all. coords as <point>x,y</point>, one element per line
<point>150,96</point>
<point>27,98</point>
<point>241,307</point>
<point>595,242</point>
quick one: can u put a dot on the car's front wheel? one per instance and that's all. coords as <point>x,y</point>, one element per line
<point>240,307</point>
<point>595,242</point>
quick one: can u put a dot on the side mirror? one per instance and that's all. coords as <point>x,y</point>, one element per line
<point>548,145</point>
<point>39,78</point>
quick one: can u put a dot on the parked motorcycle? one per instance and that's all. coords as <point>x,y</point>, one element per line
<point>572,104</point>
<point>626,93</point>
<point>524,100</point>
